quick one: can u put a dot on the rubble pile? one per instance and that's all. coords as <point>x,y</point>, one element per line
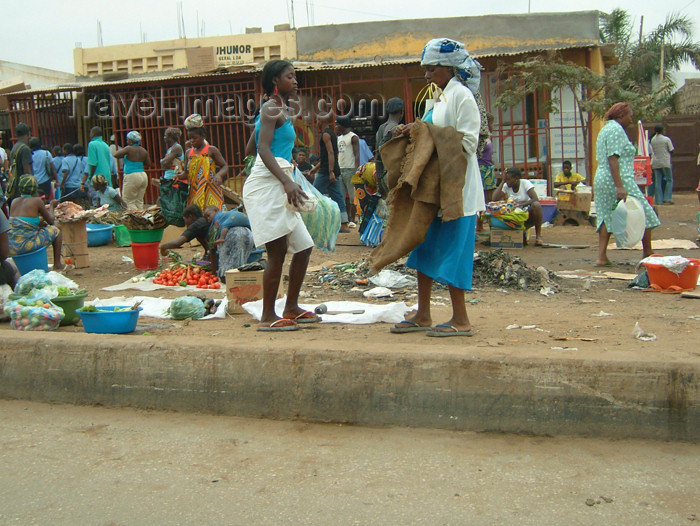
<point>491,268</point>
<point>499,268</point>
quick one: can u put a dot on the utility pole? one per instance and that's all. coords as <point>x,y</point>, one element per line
<point>641,28</point>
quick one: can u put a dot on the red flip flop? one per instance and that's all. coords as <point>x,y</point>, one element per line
<point>283,324</point>
<point>307,317</point>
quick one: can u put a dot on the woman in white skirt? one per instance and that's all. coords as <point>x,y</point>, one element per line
<point>275,226</point>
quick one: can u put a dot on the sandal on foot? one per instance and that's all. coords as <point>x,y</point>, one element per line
<point>608,264</point>
<point>307,317</point>
<point>412,327</point>
<point>451,331</point>
<point>283,324</point>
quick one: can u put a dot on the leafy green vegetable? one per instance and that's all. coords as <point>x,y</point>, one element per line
<point>88,308</point>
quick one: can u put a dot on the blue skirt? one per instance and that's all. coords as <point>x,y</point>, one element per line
<point>447,254</point>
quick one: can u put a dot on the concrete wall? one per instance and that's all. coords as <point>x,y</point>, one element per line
<point>483,35</point>
<point>33,76</point>
<point>439,390</point>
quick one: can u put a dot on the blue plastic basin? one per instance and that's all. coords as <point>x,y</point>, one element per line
<point>109,321</point>
<point>31,260</point>
<point>98,235</point>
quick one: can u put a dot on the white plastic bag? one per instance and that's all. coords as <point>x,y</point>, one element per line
<point>628,223</point>
<point>393,280</point>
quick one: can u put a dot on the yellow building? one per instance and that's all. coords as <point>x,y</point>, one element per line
<point>192,55</point>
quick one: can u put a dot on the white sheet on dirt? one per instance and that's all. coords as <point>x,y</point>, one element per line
<point>661,244</point>
<point>153,307</point>
<point>387,313</point>
<point>148,286</point>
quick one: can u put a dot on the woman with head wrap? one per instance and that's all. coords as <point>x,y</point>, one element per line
<point>206,168</point>
<point>447,254</point>
<point>27,232</point>
<point>614,178</point>
<point>174,161</point>
<point>136,161</point>
<point>107,195</point>
<point>174,186</point>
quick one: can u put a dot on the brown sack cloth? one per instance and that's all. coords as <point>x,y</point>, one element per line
<point>425,172</point>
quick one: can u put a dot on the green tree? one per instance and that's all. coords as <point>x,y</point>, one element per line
<point>640,77</point>
<point>642,74</point>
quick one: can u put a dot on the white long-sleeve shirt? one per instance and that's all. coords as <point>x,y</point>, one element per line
<point>457,107</point>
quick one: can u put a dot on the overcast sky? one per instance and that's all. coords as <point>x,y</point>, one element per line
<point>44,33</point>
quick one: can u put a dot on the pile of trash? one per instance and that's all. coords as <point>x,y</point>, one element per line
<point>491,268</point>
<point>499,268</point>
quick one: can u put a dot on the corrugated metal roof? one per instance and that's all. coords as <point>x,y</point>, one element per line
<point>87,84</point>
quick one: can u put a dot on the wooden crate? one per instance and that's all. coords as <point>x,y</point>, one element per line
<point>75,242</point>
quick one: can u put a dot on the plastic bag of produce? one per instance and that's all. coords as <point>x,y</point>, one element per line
<point>34,312</point>
<point>323,223</point>
<point>187,307</point>
<point>39,279</point>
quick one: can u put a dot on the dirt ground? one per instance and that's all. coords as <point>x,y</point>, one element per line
<point>595,315</point>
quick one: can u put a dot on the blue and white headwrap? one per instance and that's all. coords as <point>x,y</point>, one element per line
<point>448,52</point>
<point>134,137</point>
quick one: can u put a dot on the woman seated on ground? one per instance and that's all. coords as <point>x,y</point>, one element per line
<point>523,193</point>
<point>26,231</point>
<point>108,195</point>
<point>230,239</point>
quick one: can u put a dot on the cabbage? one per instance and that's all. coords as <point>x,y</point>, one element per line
<point>187,307</point>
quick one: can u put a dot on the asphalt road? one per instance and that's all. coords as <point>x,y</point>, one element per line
<point>86,465</point>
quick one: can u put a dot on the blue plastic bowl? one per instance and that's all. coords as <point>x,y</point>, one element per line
<point>98,235</point>
<point>109,321</point>
<point>31,260</point>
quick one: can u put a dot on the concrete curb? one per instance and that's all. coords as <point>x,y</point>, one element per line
<point>448,391</point>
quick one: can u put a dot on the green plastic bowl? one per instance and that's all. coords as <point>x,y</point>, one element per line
<point>70,304</point>
<point>146,236</point>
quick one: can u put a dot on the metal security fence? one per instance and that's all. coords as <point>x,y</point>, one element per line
<point>50,115</point>
<point>524,135</point>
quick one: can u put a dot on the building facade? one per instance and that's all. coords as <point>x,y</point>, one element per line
<point>350,69</point>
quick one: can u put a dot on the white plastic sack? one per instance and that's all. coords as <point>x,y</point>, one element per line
<point>5,291</point>
<point>628,223</point>
<point>393,280</point>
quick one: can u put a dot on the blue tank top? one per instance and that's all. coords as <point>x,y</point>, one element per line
<point>33,220</point>
<point>428,117</point>
<point>282,140</point>
<point>170,173</point>
<point>132,166</point>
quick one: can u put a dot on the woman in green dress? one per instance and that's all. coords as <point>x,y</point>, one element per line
<point>614,178</point>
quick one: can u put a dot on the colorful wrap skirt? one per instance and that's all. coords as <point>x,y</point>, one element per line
<point>26,237</point>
